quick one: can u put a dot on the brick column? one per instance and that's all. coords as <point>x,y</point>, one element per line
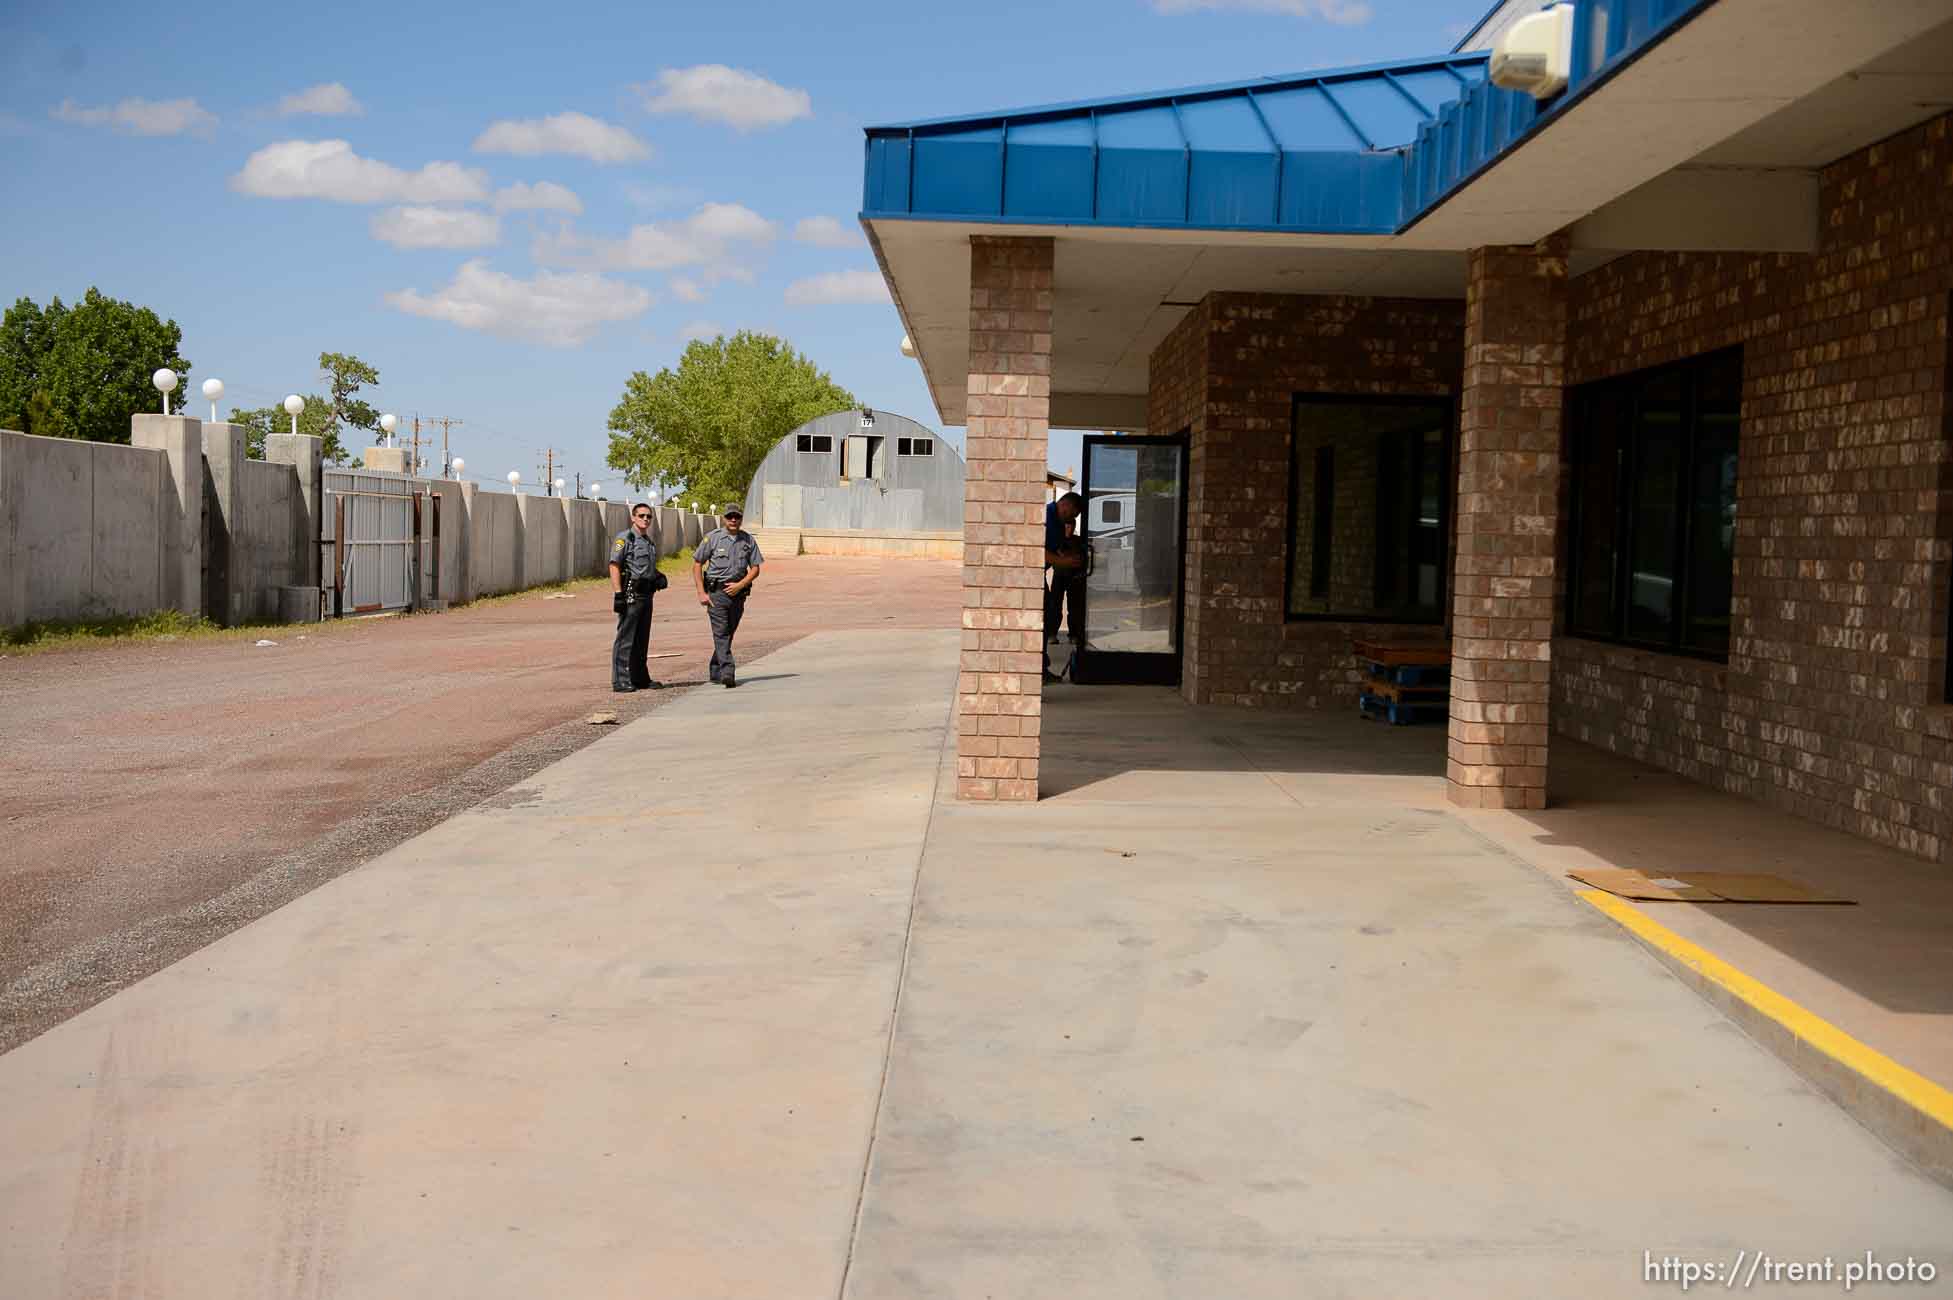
<point>1508,523</point>
<point>999,693</point>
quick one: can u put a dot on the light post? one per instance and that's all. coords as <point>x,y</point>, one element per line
<point>165,381</point>
<point>293,405</point>
<point>212,390</point>
<point>556,489</point>
<point>459,465</point>
<point>388,423</point>
<point>515,477</point>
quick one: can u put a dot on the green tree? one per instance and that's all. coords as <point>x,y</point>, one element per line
<point>82,371</point>
<point>345,374</point>
<point>703,428</point>
<point>326,417</point>
<point>315,420</point>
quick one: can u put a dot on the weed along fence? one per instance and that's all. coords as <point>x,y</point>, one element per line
<point>183,520</point>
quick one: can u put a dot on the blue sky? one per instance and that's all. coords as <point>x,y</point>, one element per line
<point>507,209</point>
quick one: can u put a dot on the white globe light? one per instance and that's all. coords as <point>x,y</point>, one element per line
<point>515,477</point>
<point>559,484</point>
<point>164,379</point>
<point>388,423</point>
<point>459,465</point>
<point>294,404</point>
<point>213,389</point>
<point>597,491</point>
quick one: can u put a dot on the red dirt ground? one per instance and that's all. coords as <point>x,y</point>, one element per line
<point>155,796</point>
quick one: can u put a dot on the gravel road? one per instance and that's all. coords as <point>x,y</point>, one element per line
<point>155,796</point>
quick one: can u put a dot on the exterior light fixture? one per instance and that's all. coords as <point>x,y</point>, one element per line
<point>293,405</point>
<point>515,477</point>
<point>212,390</point>
<point>165,381</point>
<point>459,465</point>
<point>388,423</point>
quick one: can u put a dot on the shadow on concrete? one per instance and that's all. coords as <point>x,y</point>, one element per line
<point>1893,949</point>
<point>1097,738</point>
<point>1882,970</point>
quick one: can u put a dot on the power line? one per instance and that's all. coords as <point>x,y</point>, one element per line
<point>445,421</point>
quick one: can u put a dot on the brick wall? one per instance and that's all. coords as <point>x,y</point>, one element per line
<point>999,692</point>
<point>1831,703</point>
<point>1229,373</point>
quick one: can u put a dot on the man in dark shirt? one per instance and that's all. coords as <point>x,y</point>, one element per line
<point>1064,556</point>
<point>724,567</point>
<point>633,579</point>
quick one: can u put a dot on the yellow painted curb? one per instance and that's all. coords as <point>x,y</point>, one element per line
<point>1914,1089</point>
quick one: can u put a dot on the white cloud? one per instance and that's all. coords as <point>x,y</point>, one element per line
<point>329,169</point>
<point>557,310</point>
<point>437,228</point>
<point>712,92</point>
<point>826,232</point>
<point>711,239</point>
<point>576,134</point>
<point>686,289</point>
<point>141,116</point>
<point>1331,11</point>
<point>543,196</point>
<point>699,329</point>
<point>329,99</point>
<point>837,286</point>
<point>661,198</point>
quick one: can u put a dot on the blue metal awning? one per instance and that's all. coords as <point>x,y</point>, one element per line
<point>1320,152</point>
<point>1352,151</point>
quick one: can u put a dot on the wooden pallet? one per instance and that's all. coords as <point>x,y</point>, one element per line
<point>1401,714</point>
<point>1401,693</point>
<point>1427,654</point>
<point>1414,676</point>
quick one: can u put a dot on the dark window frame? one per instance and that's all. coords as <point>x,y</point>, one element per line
<point>811,444</point>
<point>1627,391</point>
<point>1447,493</point>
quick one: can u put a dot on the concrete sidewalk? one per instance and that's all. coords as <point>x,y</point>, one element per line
<point>1197,1032</point>
<point>618,1032</point>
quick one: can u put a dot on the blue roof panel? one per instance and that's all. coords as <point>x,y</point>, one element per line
<point>1049,177</point>
<point>1364,150</point>
<point>1304,118</point>
<point>1206,156</point>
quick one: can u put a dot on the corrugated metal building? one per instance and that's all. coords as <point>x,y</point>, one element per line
<point>860,482</point>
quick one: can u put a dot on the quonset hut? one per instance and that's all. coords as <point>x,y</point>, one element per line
<point>860,482</point>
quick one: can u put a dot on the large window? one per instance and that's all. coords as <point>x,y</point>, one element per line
<point>1369,507</point>
<point>1654,505</point>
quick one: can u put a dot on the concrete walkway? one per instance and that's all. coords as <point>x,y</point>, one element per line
<point>626,1032</point>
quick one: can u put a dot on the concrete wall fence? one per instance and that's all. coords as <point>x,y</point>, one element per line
<point>182,519</point>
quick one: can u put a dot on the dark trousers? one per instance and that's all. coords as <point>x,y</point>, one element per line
<point>1061,598</point>
<point>725,613</point>
<point>633,641</point>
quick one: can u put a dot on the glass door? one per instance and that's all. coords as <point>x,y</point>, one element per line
<point>1134,528</point>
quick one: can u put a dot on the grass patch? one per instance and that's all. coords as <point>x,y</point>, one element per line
<point>163,625</point>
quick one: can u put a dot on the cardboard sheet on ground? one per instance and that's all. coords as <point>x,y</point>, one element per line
<point>1701,886</point>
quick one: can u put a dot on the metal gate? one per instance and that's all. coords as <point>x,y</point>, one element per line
<point>373,546</point>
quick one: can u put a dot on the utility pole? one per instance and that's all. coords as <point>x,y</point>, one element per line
<point>549,456</point>
<point>413,466</point>
<point>579,485</point>
<point>444,421</point>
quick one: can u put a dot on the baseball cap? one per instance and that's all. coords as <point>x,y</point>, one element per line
<point>734,512</point>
